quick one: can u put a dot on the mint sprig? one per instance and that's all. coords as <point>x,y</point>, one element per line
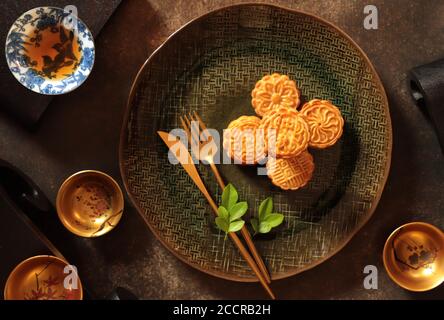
<point>231,211</point>
<point>266,219</point>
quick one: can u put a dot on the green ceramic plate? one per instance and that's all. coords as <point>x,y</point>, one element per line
<point>210,66</point>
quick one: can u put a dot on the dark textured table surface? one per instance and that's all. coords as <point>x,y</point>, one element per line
<point>81,131</point>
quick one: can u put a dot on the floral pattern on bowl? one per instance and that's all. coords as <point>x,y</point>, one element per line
<point>74,48</point>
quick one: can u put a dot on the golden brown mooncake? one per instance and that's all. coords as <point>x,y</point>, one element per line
<point>290,130</point>
<point>274,91</point>
<point>324,121</point>
<point>292,173</point>
<point>241,141</point>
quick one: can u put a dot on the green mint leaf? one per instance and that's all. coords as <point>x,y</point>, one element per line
<point>264,227</point>
<point>255,225</point>
<point>238,210</point>
<point>229,196</point>
<point>265,208</point>
<point>236,225</point>
<point>274,219</point>
<point>223,213</point>
<point>222,224</point>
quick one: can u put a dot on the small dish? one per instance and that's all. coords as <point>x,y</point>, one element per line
<point>50,51</point>
<point>90,203</point>
<point>414,256</point>
<point>41,278</point>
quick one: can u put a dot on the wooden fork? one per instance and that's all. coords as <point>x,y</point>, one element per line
<point>194,135</point>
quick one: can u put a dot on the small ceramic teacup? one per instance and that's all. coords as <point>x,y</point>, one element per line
<point>49,50</point>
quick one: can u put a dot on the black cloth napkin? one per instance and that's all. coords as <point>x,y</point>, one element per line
<point>16,100</point>
<point>427,87</point>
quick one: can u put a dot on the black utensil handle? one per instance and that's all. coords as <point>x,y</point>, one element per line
<point>21,190</point>
<point>427,88</point>
<point>26,199</point>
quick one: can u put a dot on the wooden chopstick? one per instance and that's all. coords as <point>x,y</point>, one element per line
<point>244,231</point>
<point>247,237</point>
<point>244,252</point>
<point>190,168</point>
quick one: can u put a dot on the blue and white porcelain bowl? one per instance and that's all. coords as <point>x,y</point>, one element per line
<point>49,50</point>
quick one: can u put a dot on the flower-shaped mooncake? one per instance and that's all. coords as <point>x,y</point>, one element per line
<point>291,132</point>
<point>325,122</point>
<point>242,141</point>
<point>274,91</point>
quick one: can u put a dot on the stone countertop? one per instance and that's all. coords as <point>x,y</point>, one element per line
<point>81,130</point>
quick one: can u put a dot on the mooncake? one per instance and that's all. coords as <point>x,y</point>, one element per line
<point>292,173</point>
<point>274,91</point>
<point>291,132</point>
<point>325,123</point>
<point>243,142</point>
